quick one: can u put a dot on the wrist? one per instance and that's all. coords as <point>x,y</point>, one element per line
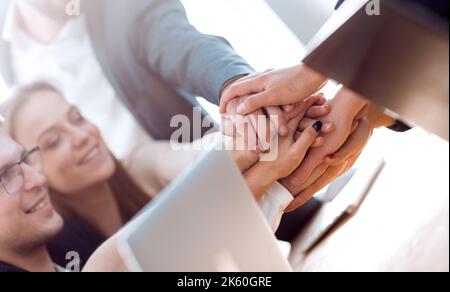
<point>259,180</point>
<point>228,83</point>
<point>349,102</point>
<point>377,117</point>
<point>285,183</point>
<point>307,76</point>
<point>244,159</point>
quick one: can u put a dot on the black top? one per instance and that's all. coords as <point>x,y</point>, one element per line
<point>439,7</point>
<point>76,236</point>
<point>7,268</point>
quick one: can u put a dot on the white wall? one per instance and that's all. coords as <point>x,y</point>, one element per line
<point>255,31</point>
<point>252,27</point>
<point>4,91</point>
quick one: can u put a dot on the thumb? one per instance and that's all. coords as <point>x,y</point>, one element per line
<point>306,140</point>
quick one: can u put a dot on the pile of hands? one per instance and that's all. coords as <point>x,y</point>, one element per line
<point>316,139</point>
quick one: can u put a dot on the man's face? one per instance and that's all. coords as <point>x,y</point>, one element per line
<point>27,218</point>
<point>55,9</point>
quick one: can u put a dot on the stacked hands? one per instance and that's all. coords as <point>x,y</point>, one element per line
<point>315,140</point>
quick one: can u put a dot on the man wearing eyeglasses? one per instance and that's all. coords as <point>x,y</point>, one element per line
<point>33,237</point>
<point>27,218</point>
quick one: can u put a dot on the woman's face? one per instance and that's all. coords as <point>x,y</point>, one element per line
<point>74,154</point>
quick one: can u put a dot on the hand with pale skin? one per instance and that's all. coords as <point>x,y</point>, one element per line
<point>341,148</point>
<point>258,136</point>
<point>273,88</point>
<point>277,91</point>
<point>344,109</point>
<point>330,169</point>
<point>305,184</point>
<point>246,159</point>
<point>290,155</point>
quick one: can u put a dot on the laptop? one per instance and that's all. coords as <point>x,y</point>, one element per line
<point>392,52</point>
<point>303,17</point>
<point>206,221</point>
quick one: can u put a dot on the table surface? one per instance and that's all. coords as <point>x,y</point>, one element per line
<point>403,224</point>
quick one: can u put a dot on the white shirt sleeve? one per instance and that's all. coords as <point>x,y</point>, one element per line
<point>274,202</point>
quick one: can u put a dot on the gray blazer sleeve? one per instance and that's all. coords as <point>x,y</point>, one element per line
<point>198,63</point>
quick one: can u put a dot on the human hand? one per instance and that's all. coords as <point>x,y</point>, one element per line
<point>273,88</point>
<point>334,166</point>
<point>346,109</point>
<point>258,128</point>
<point>289,154</point>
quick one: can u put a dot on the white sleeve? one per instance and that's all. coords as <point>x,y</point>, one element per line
<point>274,202</point>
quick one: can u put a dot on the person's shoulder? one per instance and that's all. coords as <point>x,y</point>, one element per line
<point>76,236</point>
<point>112,8</point>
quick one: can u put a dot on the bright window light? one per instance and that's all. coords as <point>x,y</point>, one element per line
<point>4,90</point>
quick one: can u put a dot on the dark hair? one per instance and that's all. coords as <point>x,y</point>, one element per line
<point>130,197</point>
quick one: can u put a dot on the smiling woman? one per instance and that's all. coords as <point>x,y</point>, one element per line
<point>80,170</point>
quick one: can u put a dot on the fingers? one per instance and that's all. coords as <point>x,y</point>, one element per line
<point>353,146</point>
<point>257,101</point>
<point>318,172</point>
<point>242,87</point>
<point>230,92</point>
<point>363,112</point>
<point>316,99</point>
<point>299,109</point>
<point>304,171</point>
<point>318,111</point>
<point>266,129</point>
<point>228,119</point>
<point>247,131</point>
<point>288,108</point>
<point>248,128</point>
<point>355,125</point>
<point>322,99</point>
<point>227,127</point>
<point>320,141</point>
<point>324,180</point>
<point>267,98</point>
<point>278,119</point>
<point>306,139</point>
<point>297,151</point>
<point>327,128</point>
<point>281,94</point>
<point>351,163</point>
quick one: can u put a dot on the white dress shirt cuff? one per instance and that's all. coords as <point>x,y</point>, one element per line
<point>274,202</point>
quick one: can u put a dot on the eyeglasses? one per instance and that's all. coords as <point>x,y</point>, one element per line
<point>12,178</point>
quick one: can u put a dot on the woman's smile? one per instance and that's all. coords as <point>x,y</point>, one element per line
<point>92,155</point>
